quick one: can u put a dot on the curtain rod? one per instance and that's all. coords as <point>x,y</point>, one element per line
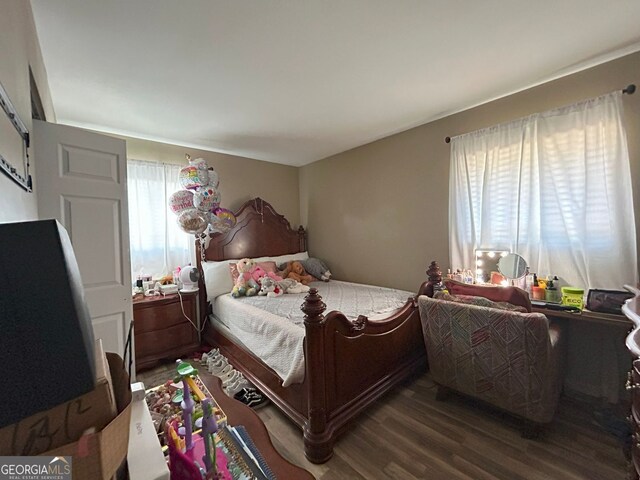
<point>629,90</point>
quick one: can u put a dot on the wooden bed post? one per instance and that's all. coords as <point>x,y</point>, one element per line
<point>434,274</point>
<point>318,442</point>
<point>302,236</point>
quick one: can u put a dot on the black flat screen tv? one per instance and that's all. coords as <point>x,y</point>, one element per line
<point>46,335</point>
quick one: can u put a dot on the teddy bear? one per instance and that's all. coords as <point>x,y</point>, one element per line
<point>269,287</point>
<point>296,271</point>
<point>245,284</point>
<point>317,268</point>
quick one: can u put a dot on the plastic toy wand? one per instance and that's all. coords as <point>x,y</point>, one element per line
<point>185,370</point>
<point>209,428</point>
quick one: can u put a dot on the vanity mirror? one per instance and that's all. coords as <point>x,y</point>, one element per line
<point>512,266</point>
<point>487,262</point>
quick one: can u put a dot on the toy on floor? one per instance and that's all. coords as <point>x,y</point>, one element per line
<point>194,457</point>
<point>209,429</point>
<point>191,464</point>
<point>185,370</point>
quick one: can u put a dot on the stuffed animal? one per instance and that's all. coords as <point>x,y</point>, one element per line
<point>245,285</point>
<point>317,268</point>
<point>258,272</point>
<point>289,285</point>
<point>269,287</point>
<point>296,271</point>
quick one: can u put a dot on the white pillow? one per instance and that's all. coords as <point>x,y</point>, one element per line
<point>217,279</point>
<point>288,258</point>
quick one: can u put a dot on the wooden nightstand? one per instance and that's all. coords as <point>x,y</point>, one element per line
<point>160,329</point>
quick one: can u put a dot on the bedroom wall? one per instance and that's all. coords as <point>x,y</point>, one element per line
<point>20,49</point>
<point>240,178</point>
<point>379,213</point>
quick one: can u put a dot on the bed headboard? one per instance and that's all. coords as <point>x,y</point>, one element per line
<point>260,231</point>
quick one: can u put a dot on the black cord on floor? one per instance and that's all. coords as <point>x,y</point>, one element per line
<point>128,347</point>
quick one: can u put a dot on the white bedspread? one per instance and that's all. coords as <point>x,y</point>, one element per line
<point>272,328</point>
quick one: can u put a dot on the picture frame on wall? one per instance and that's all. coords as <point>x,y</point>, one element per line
<point>14,144</point>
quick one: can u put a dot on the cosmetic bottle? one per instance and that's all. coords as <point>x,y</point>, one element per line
<point>468,277</point>
<point>542,283</point>
<point>530,281</point>
<point>551,293</point>
<point>458,276</point>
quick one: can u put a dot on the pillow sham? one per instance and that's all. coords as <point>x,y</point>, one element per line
<point>479,301</point>
<point>280,259</point>
<point>217,280</point>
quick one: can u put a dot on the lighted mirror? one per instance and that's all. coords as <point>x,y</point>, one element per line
<point>512,266</point>
<point>487,262</point>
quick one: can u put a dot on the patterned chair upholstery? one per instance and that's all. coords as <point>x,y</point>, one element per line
<point>509,359</point>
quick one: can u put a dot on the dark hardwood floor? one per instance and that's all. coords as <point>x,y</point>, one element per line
<point>409,434</point>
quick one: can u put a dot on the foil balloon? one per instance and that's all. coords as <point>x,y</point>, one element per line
<point>222,220</point>
<point>180,201</point>
<point>192,177</point>
<point>193,221</point>
<point>205,198</point>
<point>198,162</point>
<point>201,167</point>
<point>214,180</point>
<point>217,198</point>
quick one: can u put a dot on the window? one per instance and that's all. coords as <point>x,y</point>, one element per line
<point>554,187</point>
<point>158,245</point>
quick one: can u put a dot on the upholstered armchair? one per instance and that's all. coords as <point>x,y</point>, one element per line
<point>509,359</point>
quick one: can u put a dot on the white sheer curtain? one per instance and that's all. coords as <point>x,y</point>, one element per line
<point>158,245</point>
<point>554,187</point>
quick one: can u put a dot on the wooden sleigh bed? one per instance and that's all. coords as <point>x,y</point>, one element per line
<point>348,364</point>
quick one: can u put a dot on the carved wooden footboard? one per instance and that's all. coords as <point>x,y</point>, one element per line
<point>349,365</point>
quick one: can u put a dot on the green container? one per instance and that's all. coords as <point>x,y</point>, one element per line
<point>573,297</point>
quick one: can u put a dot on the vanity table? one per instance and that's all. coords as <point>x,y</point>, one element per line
<point>596,359</point>
<point>608,319</point>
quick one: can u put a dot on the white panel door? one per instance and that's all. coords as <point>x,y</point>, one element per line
<point>82,182</point>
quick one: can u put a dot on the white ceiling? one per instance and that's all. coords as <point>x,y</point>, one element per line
<point>296,81</point>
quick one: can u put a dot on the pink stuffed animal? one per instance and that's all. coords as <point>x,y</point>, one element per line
<point>258,272</point>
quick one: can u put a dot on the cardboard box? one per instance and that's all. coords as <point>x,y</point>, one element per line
<point>66,422</point>
<point>98,455</point>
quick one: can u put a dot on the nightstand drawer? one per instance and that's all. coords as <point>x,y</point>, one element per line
<point>163,341</point>
<point>161,331</point>
<point>162,316</point>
